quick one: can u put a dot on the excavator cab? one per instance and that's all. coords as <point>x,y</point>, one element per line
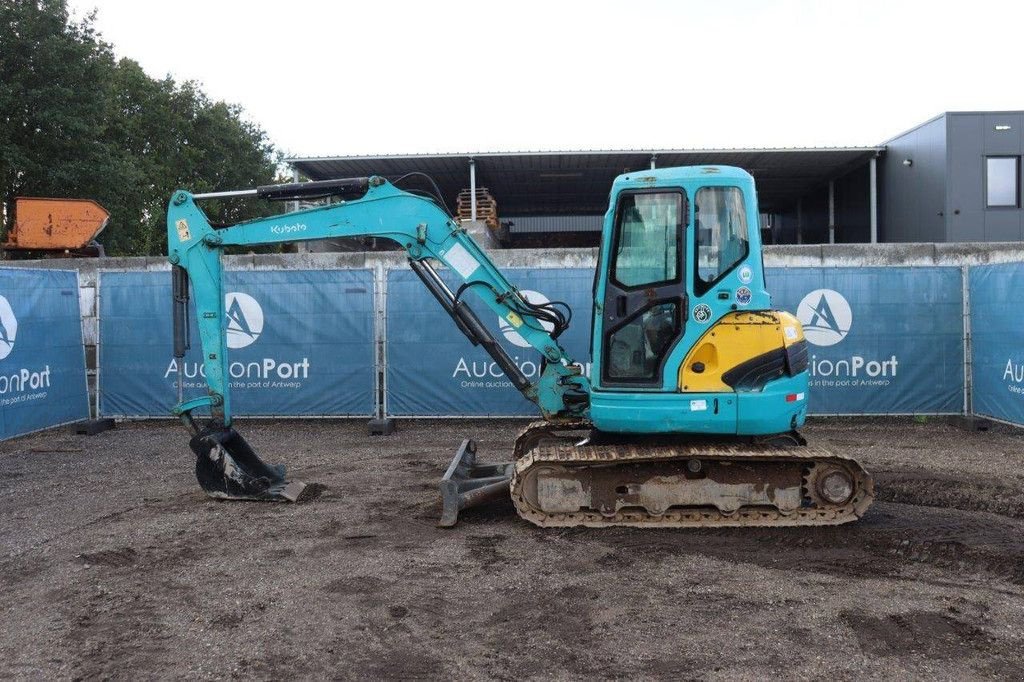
<point>684,339</point>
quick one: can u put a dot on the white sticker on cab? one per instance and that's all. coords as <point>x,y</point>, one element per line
<point>698,405</point>
<point>791,333</point>
<point>461,260</point>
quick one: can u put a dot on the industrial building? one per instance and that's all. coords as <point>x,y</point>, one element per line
<point>953,178</point>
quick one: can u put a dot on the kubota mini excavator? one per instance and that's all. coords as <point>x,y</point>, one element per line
<point>697,388</point>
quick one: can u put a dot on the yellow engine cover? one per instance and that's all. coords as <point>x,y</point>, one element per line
<point>734,339</point>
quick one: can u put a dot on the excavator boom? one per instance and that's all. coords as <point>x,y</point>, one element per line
<point>226,465</point>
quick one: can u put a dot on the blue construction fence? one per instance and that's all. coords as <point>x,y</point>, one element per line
<point>42,357</point>
<point>300,343</point>
<point>997,341</point>
<point>883,341</point>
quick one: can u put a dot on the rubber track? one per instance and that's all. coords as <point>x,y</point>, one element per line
<point>568,455</point>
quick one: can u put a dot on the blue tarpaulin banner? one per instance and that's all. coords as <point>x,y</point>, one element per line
<point>42,359</point>
<point>433,370</point>
<point>882,340</point>
<point>300,343</point>
<point>997,341</point>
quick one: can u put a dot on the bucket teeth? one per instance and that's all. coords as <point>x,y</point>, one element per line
<point>228,468</point>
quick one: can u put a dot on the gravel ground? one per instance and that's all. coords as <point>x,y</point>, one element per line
<point>114,564</point>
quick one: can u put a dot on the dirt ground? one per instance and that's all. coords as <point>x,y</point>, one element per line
<point>114,564</point>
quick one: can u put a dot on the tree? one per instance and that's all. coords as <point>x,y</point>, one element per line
<point>78,123</point>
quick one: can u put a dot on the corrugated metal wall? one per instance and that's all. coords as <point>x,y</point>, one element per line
<point>561,223</point>
<point>941,195</point>
<point>912,198</point>
<point>972,137</point>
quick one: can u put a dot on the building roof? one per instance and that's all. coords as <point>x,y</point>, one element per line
<point>577,182</point>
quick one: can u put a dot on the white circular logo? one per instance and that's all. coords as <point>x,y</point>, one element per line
<point>509,331</point>
<point>702,313</point>
<point>8,328</point>
<point>826,317</point>
<point>245,319</point>
<point>746,274</point>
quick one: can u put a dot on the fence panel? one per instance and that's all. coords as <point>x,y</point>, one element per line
<point>997,341</point>
<point>300,343</point>
<point>433,370</point>
<point>42,359</point>
<point>883,340</point>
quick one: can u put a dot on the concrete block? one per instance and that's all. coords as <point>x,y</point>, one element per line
<point>121,263</point>
<point>969,253</point>
<point>478,230</point>
<point>91,427</point>
<point>90,330</point>
<point>545,258</point>
<point>87,301</point>
<point>969,422</point>
<point>239,261</point>
<point>866,255</point>
<point>792,256</point>
<point>381,427</point>
<point>157,263</point>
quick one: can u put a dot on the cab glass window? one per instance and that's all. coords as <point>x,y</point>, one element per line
<point>720,224</point>
<point>637,349</point>
<point>647,238</point>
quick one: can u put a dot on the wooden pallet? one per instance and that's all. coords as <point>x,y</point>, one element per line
<point>486,207</point>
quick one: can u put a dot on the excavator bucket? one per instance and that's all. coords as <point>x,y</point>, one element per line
<point>229,469</point>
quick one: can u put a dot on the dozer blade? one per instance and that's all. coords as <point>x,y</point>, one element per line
<point>468,484</point>
<point>228,469</point>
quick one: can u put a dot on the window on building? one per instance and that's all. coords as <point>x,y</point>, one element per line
<point>1002,181</point>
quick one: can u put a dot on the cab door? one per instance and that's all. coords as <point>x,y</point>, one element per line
<point>645,301</point>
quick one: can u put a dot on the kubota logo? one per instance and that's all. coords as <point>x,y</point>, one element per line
<point>245,319</point>
<point>826,317</point>
<point>8,328</point>
<point>509,331</point>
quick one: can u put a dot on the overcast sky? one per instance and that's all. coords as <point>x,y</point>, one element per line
<point>344,78</point>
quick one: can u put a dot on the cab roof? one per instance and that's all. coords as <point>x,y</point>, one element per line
<point>683,175</point>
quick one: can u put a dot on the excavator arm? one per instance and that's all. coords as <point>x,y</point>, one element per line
<point>370,207</point>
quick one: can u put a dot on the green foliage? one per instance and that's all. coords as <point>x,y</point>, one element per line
<point>77,123</point>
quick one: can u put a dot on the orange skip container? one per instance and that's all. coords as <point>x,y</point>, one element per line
<point>55,224</point>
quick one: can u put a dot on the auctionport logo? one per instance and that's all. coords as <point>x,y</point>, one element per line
<point>245,319</point>
<point>826,317</point>
<point>509,331</point>
<point>8,328</point>
<point>245,322</point>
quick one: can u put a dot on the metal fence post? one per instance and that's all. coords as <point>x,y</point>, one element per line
<point>381,424</point>
<point>968,367</point>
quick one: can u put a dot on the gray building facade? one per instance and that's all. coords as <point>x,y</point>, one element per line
<point>955,178</point>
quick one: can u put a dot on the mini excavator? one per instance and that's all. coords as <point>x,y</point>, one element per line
<point>689,416</point>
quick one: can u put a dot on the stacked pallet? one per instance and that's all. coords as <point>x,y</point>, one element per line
<point>486,208</point>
